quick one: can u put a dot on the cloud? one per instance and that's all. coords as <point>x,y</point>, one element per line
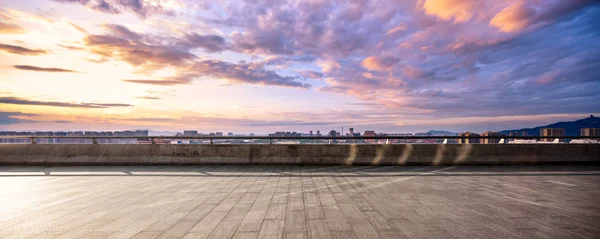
<point>513,18</point>
<point>457,10</point>
<point>311,74</point>
<point>248,73</point>
<point>21,101</point>
<point>78,28</point>
<point>9,118</point>
<point>148,97</point>
<point>419,57</point>
<point>139,53</point>
<point>12,14</point>
<point>157,82</point>
<point>291,123</point>
<point>6,28</point>
<point>396,29</point>
<point>375,63</point>
<point>36,68</point>
<point>149,53</point>
<point>21,50</point>
<point>71,47</point>
<point>13,118</point>
<point>140,7</point>
<point>121,31</point>
<point>211,43</point>
<point>522,14</point>
<point>546,78</point>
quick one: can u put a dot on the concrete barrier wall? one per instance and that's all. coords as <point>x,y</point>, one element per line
<point>386,154</point>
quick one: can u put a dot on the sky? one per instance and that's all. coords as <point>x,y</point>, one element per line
<point>260,66</point>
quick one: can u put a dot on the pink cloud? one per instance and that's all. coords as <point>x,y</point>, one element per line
<point>376,63</point>
<point>546,78</point>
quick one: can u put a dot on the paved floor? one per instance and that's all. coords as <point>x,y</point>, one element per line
<point>299,202</point>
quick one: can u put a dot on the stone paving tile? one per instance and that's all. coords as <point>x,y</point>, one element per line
<point>299,202</point>
<point>245,235</point>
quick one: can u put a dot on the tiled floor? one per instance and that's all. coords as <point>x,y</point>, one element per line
<point>299,202</point>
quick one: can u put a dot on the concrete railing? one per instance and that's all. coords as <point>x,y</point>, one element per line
<point>349,154</point>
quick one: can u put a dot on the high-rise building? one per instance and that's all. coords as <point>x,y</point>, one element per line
<point>351,131</point>
<point>489,140</point>
<point>590,132</point>
<point>552,132</point>
<point>468,141</point>
<point>310,133</point>
<point>370,133</point>
<point>318,133</point>
<point>332,133</point>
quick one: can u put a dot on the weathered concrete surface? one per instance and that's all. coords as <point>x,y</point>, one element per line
<point>391,154</point>
<point>263,201</point>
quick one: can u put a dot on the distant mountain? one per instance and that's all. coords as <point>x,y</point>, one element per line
<point>441,133</point>
<point>572,128</point>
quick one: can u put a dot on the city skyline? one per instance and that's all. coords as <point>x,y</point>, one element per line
<point>237,66</point>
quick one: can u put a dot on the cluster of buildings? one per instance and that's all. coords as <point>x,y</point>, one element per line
<point>195,133</point>
<point>545,132</point>
<point>134,133</point>
<point>334,133</point>
<point>138,136</point>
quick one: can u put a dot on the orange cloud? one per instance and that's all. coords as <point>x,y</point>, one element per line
<point>374,63</point>
<point>459,10</point>
<point>6,28</point>
<point>513,18</point>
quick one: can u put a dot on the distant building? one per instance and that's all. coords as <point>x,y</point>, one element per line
<point>15,140</point>
<point>333,133</point>
<point>310,133</point>
<point>318,133</point>
<point>60,141</point>
<point>590,132</point>
<point>286,134</point>
<point>230,134</point>
<point>518,133</point>
<point>351,131</point>
<point>77,133</point>
<point>219,133</point>
<point>468,141</point>
<point>552,132</point>
<point>190,133</point>
<point>370,133</point>
<point>134,134</point>
<point>490,140</point>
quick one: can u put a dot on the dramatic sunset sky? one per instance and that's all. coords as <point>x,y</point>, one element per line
<point>278,65</point>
